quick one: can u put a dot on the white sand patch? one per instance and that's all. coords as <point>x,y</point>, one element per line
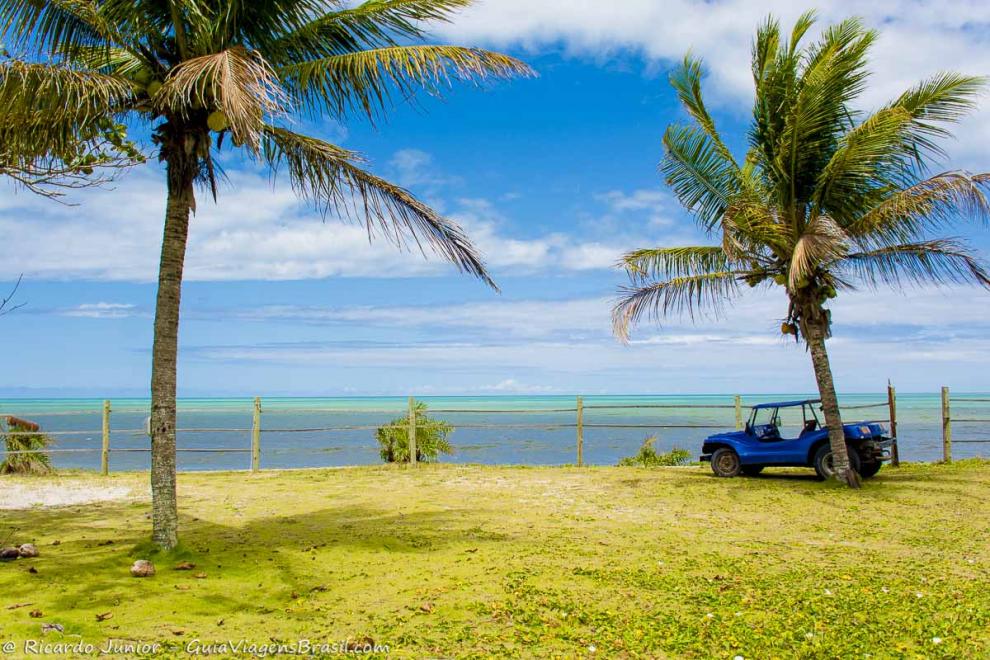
<point>26,496</point>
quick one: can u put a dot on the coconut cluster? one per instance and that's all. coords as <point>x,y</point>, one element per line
<point>145,81</point>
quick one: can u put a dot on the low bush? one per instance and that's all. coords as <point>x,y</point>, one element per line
<point>33,462</point>
<point>431,438</point>
<point>648,456</point>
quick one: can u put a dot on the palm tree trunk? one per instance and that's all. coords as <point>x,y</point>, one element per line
<point>815,336</point>
<point>165,518</point>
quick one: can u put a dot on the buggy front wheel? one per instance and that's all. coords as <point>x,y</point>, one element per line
<point>870,469</point>
<point>726,463</point>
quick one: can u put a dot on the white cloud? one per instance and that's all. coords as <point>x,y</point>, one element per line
<point>517,319</point>
<point>927,314</point>
<point>655,205</point>
<point>415,168</point>
<point>101,310</point>
<point>565,345</point>
<point>253,233</point>
<point>554,251</point>
<point>638,200</point>
<point>920,339</point>
<point>917,39</point>
<point>512,386</point>
<point>696,339</point>
<point>762,366</point>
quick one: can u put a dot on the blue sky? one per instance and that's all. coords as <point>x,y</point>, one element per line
<point>553,178</point>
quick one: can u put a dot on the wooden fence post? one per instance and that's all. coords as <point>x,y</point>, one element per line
<point>895,456</point>
<point>739,421</point>
<point>105,453</point>
<point>580,431</point>
<point>256,436</point>
<point>946,427</point>
<point>412,431</point>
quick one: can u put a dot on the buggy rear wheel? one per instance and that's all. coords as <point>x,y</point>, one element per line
<point>726,463</point>
<point>823,461</point>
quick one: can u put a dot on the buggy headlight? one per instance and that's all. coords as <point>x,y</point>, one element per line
<point>865,430</point>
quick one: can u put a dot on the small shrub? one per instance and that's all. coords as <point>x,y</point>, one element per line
<point>648,456</point>
<point>431,438</point>
<point>35,462</point>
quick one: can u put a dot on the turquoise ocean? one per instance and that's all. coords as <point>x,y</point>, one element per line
<point>539,430</point>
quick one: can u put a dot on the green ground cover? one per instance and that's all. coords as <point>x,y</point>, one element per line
<point>450,561</point>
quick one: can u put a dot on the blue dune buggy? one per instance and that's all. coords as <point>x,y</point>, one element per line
<point>789,434</point>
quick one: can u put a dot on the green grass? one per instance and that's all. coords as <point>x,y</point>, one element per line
<point>480,561</point>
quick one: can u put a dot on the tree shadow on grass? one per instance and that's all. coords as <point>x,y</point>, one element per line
<point>889,484</point>
<point>803,477</point>
<point>89,568</point>
<point>767,476</point>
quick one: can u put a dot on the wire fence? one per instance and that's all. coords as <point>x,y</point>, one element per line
<point>498,423</point>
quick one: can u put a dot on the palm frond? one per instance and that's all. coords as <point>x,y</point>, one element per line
<point>109,61</point>
<point>692,294</point>
<point>765,47</point>
<point>942,99</point>
<point>237,82</point>
<point>371,24</point>
<point>888,150</point>
<point>700,176</point>
<point>870,159</point>
<point>663,263</point>
<point>49,157</point>
<point>933,204</point>
<point>943,261</point>
<point>776,65</point>
<point>367,80</point>
<point>686,81</point>
<point>59,94</point>
<point>835,73</point>
<point>333,180</point>
<point>802,26</point>
<point>821,242</point>
<point>753,230</point>
<point>32,143</point>
<point>53,27</point>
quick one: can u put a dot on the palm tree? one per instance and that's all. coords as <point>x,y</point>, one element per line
<point>202,75</point>
<point>827,198</point>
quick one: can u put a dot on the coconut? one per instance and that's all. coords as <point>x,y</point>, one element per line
<point>217,121</point>
<point>780,279</point>
<point>142,76</point>
<point>154,87</point>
